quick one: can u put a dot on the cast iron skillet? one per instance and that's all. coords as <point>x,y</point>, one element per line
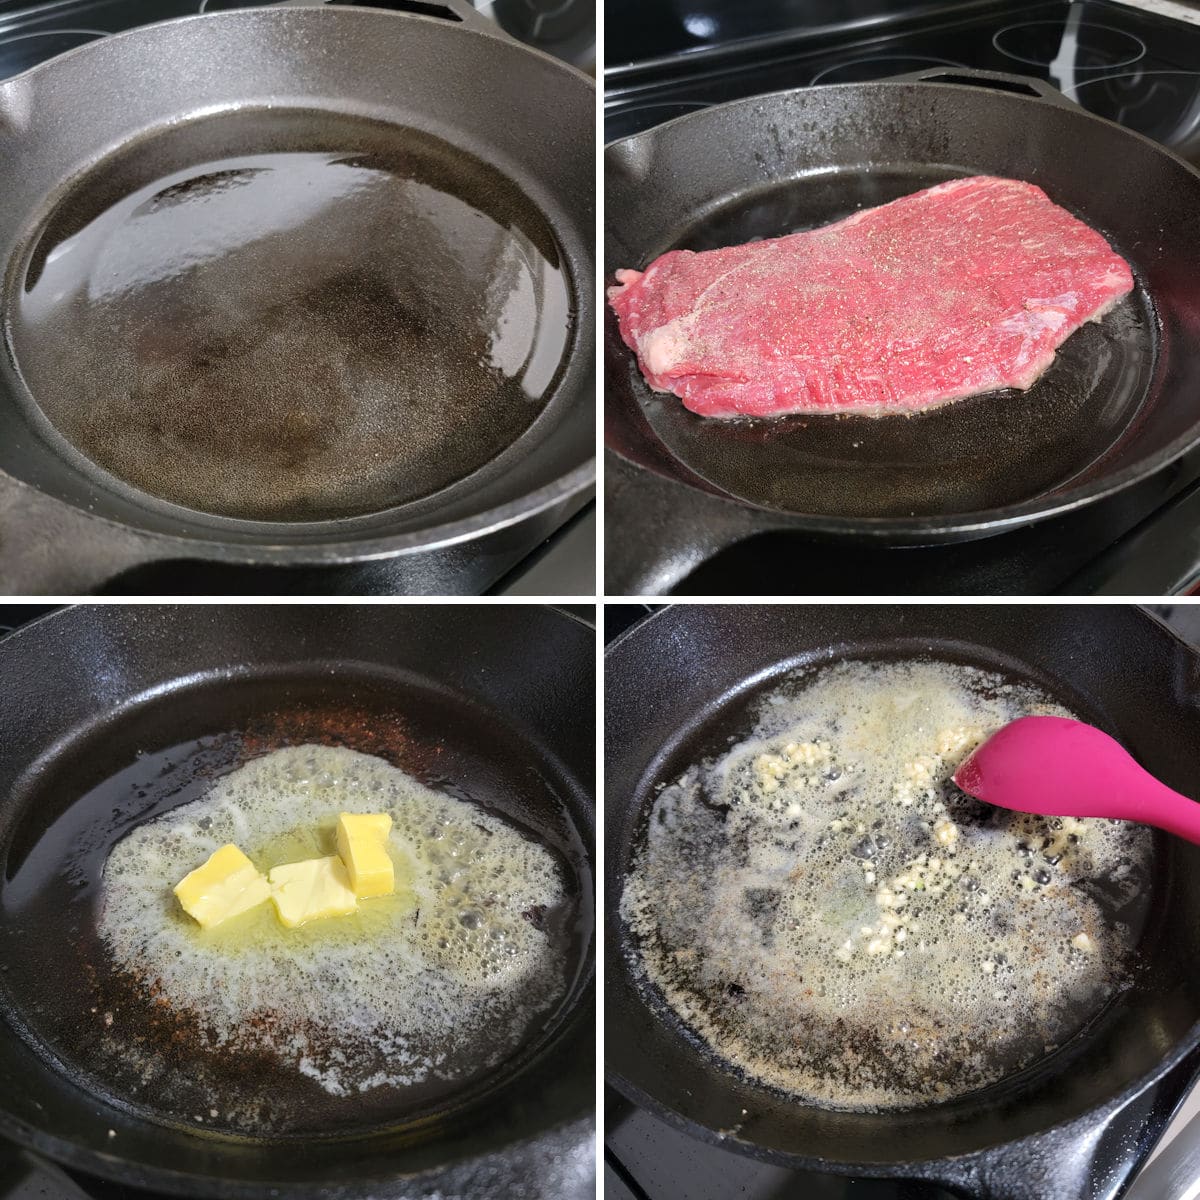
<point>492,702</point>
<point>1119,402</point>
<point>65,523</point>
<point>679,683</point>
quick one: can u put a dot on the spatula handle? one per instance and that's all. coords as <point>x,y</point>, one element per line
<point>1170,810</point>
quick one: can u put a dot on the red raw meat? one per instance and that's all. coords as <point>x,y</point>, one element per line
<point>962,288</point>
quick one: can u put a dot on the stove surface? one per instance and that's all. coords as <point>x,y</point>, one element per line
<point>1130,65</point>
<point>1126,61</point>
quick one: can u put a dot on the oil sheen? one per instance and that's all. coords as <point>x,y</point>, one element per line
<point>836,920</point>
<point>290,316</point>
<point>429,985</point>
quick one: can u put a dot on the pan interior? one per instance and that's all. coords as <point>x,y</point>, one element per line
<point>976,454</point>
<point>116,1038</point>
<point>289,315</point>
<point>710,739</point>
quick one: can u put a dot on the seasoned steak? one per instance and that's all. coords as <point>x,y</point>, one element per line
<point>966,287</point>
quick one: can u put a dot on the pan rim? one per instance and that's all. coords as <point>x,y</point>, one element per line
<point>368,546</point>
<point>979,522</point>
<point>178,1183</point>
<point>285,11</point>
<point>936,1170</point>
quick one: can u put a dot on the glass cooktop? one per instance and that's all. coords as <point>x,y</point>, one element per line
<point>1133,66</point>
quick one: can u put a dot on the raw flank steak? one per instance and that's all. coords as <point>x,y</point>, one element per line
<point>963,288</point>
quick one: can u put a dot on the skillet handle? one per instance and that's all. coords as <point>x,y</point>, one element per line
<point>657,532</point>
<point>1093,1157</point>
<point>49,548</point>
<point>1176,1170</point>
<point>997,81</point>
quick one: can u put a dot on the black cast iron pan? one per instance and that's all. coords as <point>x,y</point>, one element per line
<point>1118,404</point>
<point>681,681</point>
<point>493,704</point>
<point>293,285</point>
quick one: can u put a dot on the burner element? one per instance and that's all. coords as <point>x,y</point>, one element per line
<point>1164,105</point>
<point>24,50</point>
<point>1082,47</point>
<point>857,70</point>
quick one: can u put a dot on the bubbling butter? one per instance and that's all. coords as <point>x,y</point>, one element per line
<point>446,975</point>
<point>835,919</point>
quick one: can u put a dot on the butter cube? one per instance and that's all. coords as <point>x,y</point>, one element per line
<point>376,825</point>
<point>228,884</point>
<point>317,887</point>
<point>362,843</point>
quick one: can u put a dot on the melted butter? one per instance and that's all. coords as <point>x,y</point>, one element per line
<point>260,930</point>
<point>834,918</point>
<point>445,976</point>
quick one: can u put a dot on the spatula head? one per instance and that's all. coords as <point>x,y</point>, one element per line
<point>1055,767</point>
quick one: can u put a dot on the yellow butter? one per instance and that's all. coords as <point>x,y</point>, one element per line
<point>317,887</point>
<point>225,886</point>
<point>361,825</point>
<point>362,844</point>
<point>369,868</point>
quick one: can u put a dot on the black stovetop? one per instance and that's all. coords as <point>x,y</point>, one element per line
<point>666,58</point>
<point>1131,66</point>
<point>647,1159</point>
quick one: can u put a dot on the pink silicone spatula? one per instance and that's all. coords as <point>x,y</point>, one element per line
<point>1057,767</point>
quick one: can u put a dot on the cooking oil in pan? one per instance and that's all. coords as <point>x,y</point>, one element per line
<point>291,316</point>
<point>835,919</point>
<point>414,1001</point>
